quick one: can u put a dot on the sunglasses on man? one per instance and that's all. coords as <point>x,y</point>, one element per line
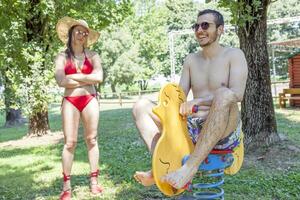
<point>83,33</point>
<point>204,26</point>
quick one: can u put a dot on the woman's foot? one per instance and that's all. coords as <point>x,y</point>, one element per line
<point>96,189</point>
<point>144,178</point>
<point>66,193</point>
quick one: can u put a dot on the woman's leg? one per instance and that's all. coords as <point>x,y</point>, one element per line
<point>70,119</point>
<point>90,119</point>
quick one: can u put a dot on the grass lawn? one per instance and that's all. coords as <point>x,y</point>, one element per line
<point>35,172</point>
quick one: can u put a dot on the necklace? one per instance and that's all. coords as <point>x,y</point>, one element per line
<point>79,57</point>
<point>78,61</point>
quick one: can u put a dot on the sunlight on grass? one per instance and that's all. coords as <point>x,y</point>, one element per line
<point>288,123</point>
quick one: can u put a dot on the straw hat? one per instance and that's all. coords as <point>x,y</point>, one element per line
<point>64,24</point>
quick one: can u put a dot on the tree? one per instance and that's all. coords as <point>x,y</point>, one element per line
<point>137,50</point>
<point>258,115</point>
<point>150,32</point>
<point>119,56</point>
<point>182,15</point>
<point>10,60</point>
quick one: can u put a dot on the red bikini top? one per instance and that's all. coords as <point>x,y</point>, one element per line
<point>86,68</point>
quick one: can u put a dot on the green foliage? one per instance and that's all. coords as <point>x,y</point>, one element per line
<point>137,49</point>
<point>150,32</point>
<point>180,14</point>
<point>119,55</point>
<point>242,14</point>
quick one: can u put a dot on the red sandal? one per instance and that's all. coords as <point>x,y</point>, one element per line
<point>66,194</point>
<point>95,187</point>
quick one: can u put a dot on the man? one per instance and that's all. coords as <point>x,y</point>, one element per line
<point>217,77</point>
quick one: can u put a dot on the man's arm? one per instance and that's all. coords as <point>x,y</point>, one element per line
<point>185,79</point>
<point>95,77</point>
<point>238,74</point>
<point>185,83</point>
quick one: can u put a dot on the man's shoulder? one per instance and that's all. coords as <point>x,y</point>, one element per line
<point>192,56</point>
<point>233,51</point>
<point>189,59</point>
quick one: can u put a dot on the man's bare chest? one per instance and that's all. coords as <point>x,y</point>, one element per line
<point>210,75</point>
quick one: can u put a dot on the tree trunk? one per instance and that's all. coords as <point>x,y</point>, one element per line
<point>98,90</point>
<point>113,87</point>
<point>258,116</point>
<point>143,84</point>
<point>38,124</point>
<point>13,117</point>
<point>38,120</point>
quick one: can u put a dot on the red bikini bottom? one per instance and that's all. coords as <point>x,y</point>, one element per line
<point>80,102</point>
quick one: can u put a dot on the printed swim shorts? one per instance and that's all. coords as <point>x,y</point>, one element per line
<point>195,124</point>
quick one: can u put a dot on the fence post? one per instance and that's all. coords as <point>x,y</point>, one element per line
<point>120,99</point>
<point>140,95</point>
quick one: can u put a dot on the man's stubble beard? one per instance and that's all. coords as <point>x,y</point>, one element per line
<point>215,37</point>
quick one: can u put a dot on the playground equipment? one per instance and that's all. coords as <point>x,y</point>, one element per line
<point>174,147</point>
<point>170,149</point>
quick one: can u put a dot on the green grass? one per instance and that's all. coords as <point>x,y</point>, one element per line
<point>35,173</point>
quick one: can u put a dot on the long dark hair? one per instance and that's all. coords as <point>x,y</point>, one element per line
<point>69,50</point>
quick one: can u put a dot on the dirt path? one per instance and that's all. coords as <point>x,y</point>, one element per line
<point>280,156</point>
<point>51,138</point>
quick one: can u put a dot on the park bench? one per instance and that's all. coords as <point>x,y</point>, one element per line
<point>288,94</point>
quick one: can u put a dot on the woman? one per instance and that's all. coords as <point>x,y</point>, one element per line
<point>78,70</point>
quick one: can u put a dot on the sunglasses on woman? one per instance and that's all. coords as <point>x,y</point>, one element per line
<point>83,33</point>
<point>204,26</point>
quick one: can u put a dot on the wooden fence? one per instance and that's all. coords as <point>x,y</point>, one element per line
<point>127,97</point>
<point>131,97</point>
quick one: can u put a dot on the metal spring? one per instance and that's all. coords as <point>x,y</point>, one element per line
<point>218,192</point>
<point>213,168</point>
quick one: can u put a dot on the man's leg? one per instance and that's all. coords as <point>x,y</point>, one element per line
<point>149,128</point>
<point>221,121</point>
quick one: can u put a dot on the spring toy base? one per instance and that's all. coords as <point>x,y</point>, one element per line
<point>212,167</point>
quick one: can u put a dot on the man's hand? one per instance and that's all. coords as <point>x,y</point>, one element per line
<point>186,108</point>
<point>203,105</point>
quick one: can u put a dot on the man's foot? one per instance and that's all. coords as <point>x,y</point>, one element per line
<point>144,178</point>
<point>181,177</point>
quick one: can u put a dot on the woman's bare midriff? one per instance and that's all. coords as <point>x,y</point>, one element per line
<point>80,91</point>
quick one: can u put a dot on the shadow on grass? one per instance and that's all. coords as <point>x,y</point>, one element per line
<point>20,183</point>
